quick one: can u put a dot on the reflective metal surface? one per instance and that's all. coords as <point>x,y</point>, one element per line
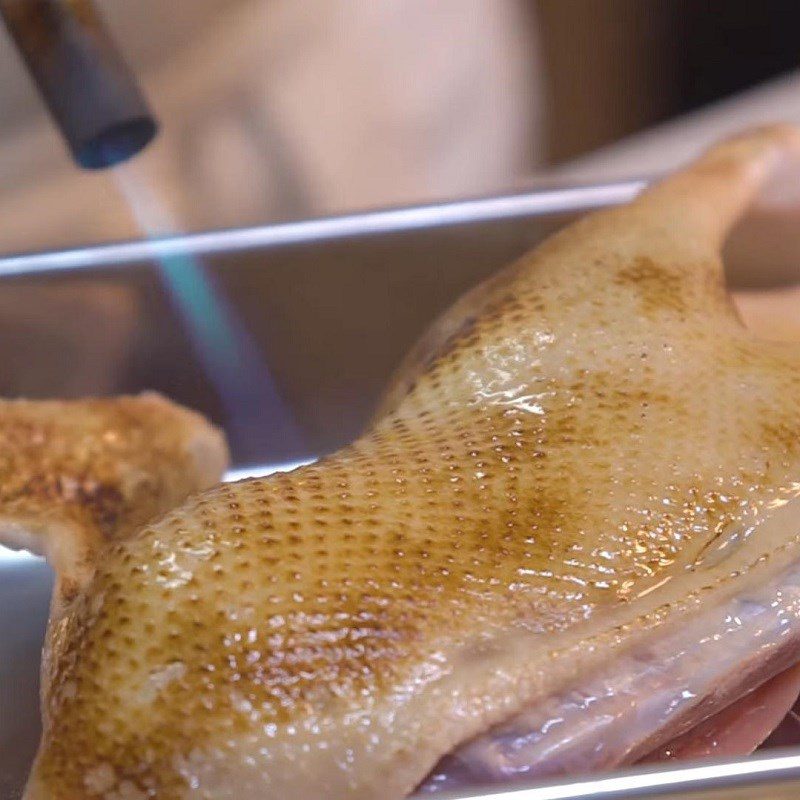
<point>770,777</point>
<point>465,212</point>
<point>24,598</point>
<point>331,306</point>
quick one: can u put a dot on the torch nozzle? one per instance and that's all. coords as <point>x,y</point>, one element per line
<point>83,79</point>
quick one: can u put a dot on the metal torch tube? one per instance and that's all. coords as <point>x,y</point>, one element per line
<point>83,79</point>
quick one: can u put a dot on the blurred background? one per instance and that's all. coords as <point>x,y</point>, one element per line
<point>286,109</point>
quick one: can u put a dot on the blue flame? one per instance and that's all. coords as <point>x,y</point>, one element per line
<point>257,420</point>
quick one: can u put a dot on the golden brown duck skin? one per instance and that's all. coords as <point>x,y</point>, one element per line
<point>76,474</point>
<point>534,502</point>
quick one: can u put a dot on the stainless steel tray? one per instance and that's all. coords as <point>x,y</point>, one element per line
<point>324,308</point>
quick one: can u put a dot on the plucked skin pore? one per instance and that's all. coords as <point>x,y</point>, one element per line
<point>570,436</point>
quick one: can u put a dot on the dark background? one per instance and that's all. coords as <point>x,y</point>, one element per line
<point>614,67</point>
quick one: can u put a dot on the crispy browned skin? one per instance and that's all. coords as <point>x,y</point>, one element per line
<point>566,439</point>
<point>76,474</point>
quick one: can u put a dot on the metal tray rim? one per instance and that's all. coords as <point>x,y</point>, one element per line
<point>370,223</point>
<point>695,779</point>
